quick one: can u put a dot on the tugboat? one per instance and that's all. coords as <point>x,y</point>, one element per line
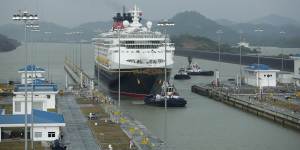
<point>182,75</point>
<point>194,69</point>
<point>168,95</point>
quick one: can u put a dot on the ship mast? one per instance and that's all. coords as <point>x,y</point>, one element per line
<point>136,12</point>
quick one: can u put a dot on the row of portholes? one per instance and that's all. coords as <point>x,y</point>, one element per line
<point>152,51</point>
<point>151,61</point>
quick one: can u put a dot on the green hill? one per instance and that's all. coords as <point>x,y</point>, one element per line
<point>204,44</point>
<point>7,44</point>
<point>193,23</point>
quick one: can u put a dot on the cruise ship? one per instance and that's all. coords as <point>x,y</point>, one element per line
<point>142,55</point>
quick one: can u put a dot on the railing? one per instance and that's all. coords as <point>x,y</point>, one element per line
<point>270,111</point>
<point>224,94</point>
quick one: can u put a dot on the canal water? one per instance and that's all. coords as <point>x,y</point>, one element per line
<point>203,124</point>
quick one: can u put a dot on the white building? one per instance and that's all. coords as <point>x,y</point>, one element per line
<point>43,96</point>
<point>260,75</point>
<point>285,77</point>
<point>33,72</point>
<point>297,69</point>
<point>46,125</point>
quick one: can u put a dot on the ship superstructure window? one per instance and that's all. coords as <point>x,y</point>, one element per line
<point>148,61</point>
<point>142,46</point>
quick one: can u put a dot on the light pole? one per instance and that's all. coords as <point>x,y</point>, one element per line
<point>34,28</point>
<point>259,31</point>
<point>258,62</point>
<point>25,17</point>
<point>165,24</point>
<point>98,70</point>
<point>80,46</point>
<point>48,69</point>
<point>79,40</point>
<point>119,66</point>
<point>219,32</point>
<point>282,33</point>
<point>241,32</point>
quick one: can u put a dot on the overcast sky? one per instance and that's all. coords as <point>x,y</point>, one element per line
<point>74,12</point>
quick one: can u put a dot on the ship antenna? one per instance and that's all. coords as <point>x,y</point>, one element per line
<point>136,17</point>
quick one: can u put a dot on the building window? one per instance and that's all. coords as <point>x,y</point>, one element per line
<point>51,134</point>
<point>48,96</point>
<point>17,106</point>
<point>38,134</point>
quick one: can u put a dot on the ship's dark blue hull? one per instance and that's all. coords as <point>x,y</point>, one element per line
<point>202,73</point>
<point>134,83</point>
<point>182,77</point>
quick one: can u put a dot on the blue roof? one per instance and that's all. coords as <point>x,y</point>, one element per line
<point>258,67</point>
<point>38,117</point>
<point>32,67</point>
<point>51,87</point>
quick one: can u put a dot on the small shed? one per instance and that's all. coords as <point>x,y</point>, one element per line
<point>46,125</point>
<point>260,75</point>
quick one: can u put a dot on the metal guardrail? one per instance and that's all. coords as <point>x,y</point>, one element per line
<point>252,105</point>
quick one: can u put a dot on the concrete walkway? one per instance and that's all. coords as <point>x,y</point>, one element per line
<point>77,135</point>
